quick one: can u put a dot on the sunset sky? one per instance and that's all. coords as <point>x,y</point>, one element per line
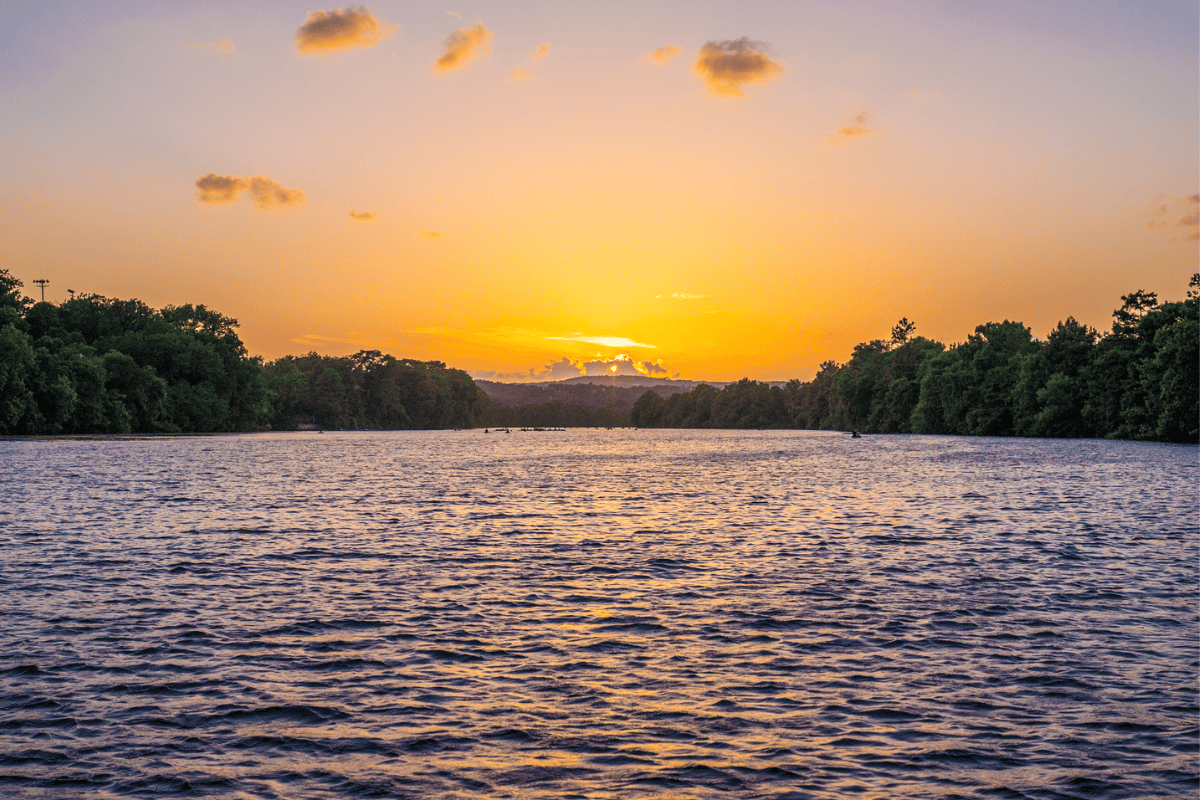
<point>706,190</point>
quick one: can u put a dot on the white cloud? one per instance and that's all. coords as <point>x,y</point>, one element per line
<point>606,341</point>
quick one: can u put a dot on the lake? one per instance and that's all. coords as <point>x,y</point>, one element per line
<point>598,614</point>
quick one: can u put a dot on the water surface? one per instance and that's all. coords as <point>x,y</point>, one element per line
<point>598,614</point>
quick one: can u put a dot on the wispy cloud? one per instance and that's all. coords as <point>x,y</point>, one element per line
<point>221,46</point>
<point>727,65</point>
<point>363,216</point>
<point>1181,212</point>
<point>526,72</point>
<point>216,189</point>
<point>554,371</point>
<point>678,296</point>
<point>315,341</point>
<point>663,54</point>
<point>462,47</point>
<point>606,341</point>
<point>432,235</point>
<point>267,193</point>
<point>341,29</point>
<point>858,129</point>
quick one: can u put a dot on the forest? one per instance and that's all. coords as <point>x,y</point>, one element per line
<point>1141,380</point>
<point>562,404</point>
<point>97,365</point>
<point>93,364</point>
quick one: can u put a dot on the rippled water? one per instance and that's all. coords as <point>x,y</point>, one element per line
<point>598,614</point>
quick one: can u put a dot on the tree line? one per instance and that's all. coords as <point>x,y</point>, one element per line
<point>93,364</point>
<point>1141,380</point>
<point>558,404</point>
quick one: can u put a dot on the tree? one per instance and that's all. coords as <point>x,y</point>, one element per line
<point>902,331</point>
<point>648,410</point>
<point>18,374</point>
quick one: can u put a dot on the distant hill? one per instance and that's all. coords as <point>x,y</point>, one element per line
<point>671,384</point>
<point>586,394</point>
<point>641,380</point>
<point>587,400</point>
<point>617,392</point>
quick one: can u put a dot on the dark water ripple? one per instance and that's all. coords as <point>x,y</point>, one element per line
<point>598,614</point>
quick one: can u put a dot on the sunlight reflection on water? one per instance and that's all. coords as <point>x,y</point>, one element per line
<point>598,614</point>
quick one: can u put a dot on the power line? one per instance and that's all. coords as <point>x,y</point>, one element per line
<point>42,282</point>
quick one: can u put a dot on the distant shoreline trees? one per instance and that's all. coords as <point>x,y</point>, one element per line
<point>97,365</point>
<point>1140,381</point>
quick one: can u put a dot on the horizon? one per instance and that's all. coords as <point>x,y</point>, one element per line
<point>532,193</point>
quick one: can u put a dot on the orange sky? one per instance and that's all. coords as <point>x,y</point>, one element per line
<point>708,190</point>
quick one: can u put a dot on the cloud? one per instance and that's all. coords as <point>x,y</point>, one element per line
<point>267,192</point>
<point>1192,220</point>
<point>606,341</point>
<point>849,132</point>
<point>678,296</point>
<point>363,216</point>
<point>526,73</point>
<point>432,235</point>
<point>462,47</point>
<point>622,365</point>
<point>663,54</point>
<point>454,14</point>
<point>213,188</point>
<point>725,66</point>
<point>554,371</point>
<point>1166,214</point>
<point>221,46</point>
<point>341,29</point>
<point>558,370</point>
<point>565,368</point>
<point>216,189</point>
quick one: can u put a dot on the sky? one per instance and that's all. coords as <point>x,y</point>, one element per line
<point>531,190</point>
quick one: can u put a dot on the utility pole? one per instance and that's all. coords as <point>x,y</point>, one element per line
<point>42,283</point>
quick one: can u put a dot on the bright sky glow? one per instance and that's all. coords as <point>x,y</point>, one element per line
<point>607,341</point>
<point>752,187</point>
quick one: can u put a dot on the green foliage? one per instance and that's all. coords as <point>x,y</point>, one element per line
<point>1142,381</point>
<point>18,368</point>
<point>648,410</point>
<point>98,365</point>
<point>373,390</point>
<point>11,299</point>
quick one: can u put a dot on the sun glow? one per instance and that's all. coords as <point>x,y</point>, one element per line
<point>686,210</point>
